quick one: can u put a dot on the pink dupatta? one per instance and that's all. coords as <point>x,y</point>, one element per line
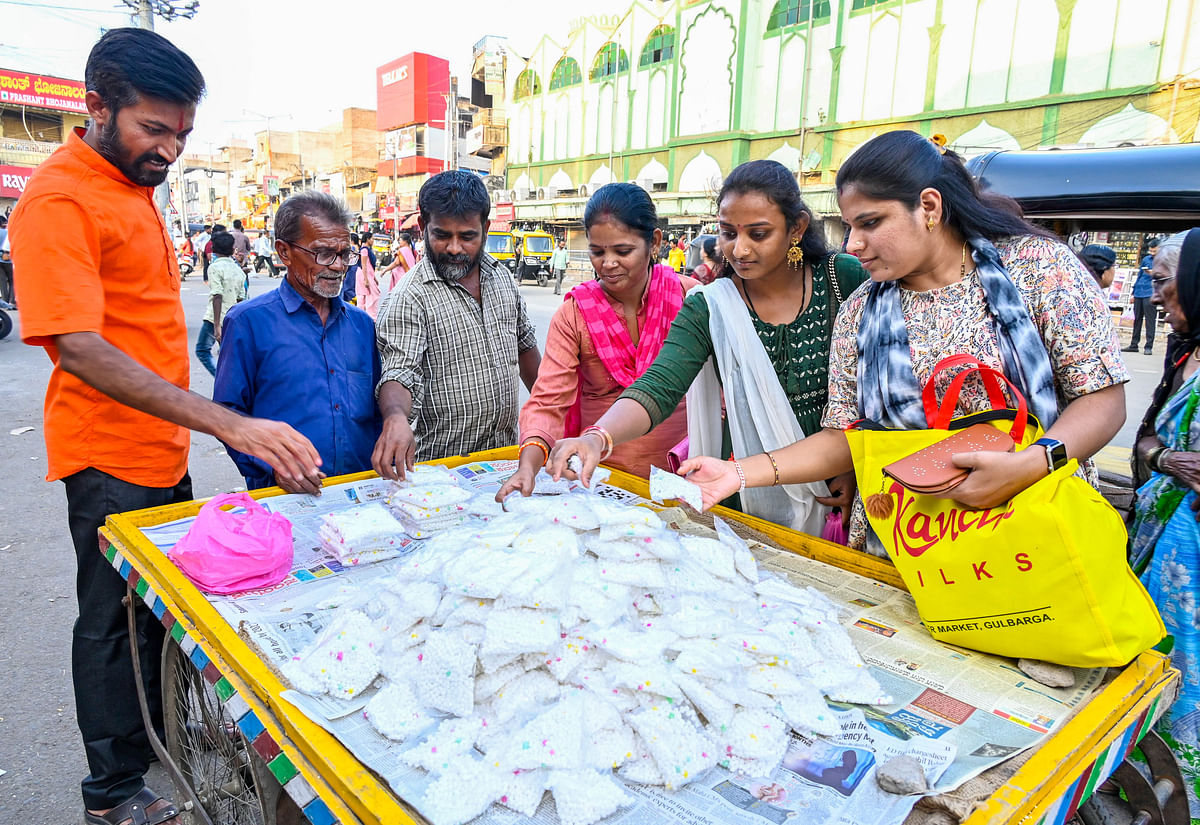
<point>614,346</point>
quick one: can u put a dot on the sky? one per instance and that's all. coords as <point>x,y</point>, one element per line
<point>299,61</point>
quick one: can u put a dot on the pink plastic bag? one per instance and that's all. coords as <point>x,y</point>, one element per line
<point>834,530</point>
<point>229,552</point>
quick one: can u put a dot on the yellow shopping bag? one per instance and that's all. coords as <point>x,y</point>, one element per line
<point>1044,576</point>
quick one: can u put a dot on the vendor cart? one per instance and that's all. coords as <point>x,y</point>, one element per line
<point>241,752</point>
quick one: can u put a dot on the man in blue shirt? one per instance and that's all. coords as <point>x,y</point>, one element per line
<point>302,355</point>
<point>1144,311</point>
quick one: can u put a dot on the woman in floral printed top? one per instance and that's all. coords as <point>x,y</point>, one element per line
<point>952,271</point>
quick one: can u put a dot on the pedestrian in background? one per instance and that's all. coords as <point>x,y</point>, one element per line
<point>1100,260</point>
<point>366,286</point>
<point>558,265</point>
<point>454,337</point>
<point>208,250</point>
<point>226,287</point>
<point>241,243</point>
<point>200,248</point>
<point>262,254</point>
<point>103,298</point>
<point>1144,313</point>
<point>402,261</point>
<point>6,270</point>
<point>707,271</point>
<point>677,257</point>
<point>349,285</point>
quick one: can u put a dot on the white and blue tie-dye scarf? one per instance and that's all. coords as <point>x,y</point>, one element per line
<point>888,392</point>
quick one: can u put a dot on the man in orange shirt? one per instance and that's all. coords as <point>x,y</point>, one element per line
<point>103,299</point>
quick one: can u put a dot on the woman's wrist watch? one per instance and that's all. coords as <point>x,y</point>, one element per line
<point>1056,453</point>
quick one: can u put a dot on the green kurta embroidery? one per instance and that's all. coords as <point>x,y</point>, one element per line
<point>799,352</point>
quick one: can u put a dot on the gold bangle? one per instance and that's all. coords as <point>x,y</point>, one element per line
<point>605,438</point>
<point>532,443</point>
<point>776,468</point>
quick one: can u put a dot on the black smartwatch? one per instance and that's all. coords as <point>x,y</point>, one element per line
<point>1056,452</point>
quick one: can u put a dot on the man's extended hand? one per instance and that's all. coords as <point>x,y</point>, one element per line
<point>295,461</point>
<point>396,450</point>
<point>301,486</point>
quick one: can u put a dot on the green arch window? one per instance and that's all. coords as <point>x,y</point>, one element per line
<point>659,48</point>
<point>790,12</point>
<point>527,84</point>
<point>609,60</point>
<point>566,73</point>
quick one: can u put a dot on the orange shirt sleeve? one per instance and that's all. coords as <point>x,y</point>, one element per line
<point>56,264</point>
<point>557,384</point>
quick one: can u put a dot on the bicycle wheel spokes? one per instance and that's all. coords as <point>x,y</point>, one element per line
<point>207,745</point>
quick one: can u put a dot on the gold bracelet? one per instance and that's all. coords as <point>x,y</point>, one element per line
<point>532,443</point>
<point>776,468</point>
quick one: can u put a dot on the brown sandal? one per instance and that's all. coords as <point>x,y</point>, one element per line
<point>134,811</point>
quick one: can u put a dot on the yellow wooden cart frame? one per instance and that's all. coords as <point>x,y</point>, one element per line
<point>331,786</point>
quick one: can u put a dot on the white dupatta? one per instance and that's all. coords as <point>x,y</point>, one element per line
<point>760,417</point>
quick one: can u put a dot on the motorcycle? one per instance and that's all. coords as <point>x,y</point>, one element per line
<point>6,322</point>
<point>187,265</point>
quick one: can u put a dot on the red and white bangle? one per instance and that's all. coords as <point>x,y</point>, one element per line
<point>737,465</point>
<point>535,443</point>
<point>604,437</point>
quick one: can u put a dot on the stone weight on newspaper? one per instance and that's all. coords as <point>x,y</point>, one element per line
<point>1055,676</point>
<point>902,775</point>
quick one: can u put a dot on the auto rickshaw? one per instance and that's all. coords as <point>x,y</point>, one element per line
<point>536,249</point>
<point>503,247</point>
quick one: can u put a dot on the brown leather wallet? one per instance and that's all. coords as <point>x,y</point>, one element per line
<point>931,471</point>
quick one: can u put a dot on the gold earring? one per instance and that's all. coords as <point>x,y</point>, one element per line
<point>930,224</point>
<point>794,254</point>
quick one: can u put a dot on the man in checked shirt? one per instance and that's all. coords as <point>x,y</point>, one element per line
<point>454,338</point>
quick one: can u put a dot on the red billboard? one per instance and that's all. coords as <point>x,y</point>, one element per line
<point>25,89</point>
<point>411,89</point>
<point>13,180</point>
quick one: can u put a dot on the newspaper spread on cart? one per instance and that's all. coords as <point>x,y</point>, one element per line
<point>958,712</point>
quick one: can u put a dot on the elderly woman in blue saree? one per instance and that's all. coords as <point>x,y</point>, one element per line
<point>1165,536</point>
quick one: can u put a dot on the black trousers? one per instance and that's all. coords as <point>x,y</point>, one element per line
<point>265,260</point>
<point>106,703</point>
<point>6,282</point>
<point>1147,312</point>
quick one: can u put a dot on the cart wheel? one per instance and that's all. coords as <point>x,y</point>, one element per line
<point>230,779</point>
<point>1153,795</point>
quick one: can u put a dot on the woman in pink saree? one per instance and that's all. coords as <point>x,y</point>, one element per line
<point>367,284</point>
<point>607,333</point>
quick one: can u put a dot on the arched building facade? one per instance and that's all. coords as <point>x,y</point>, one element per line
<point>668,85</point>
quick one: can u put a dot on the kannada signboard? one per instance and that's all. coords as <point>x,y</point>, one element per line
<point>13,180</point>
<point>25,89</point>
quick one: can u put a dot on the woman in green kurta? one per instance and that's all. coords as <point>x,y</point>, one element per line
<point>780,291</point>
